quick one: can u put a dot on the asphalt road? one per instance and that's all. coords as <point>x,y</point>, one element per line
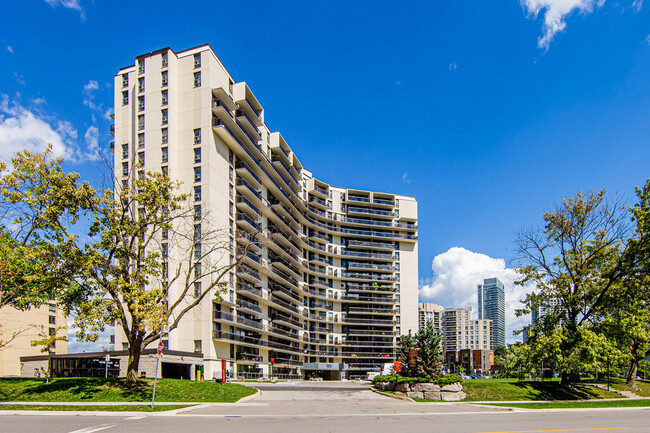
<point>335,407</point>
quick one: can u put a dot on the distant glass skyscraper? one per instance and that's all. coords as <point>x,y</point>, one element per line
<point>492,305</point>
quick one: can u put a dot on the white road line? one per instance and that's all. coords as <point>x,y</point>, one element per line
<point>94,428</point>
<point>134,418</point>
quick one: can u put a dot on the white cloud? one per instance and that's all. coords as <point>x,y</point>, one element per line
<point>88,93</point>
<point>555,14</point>
<point>19,78</point>
<point>458,272</point>
<point>405,178</point>
<point>21,129</point>
<point>10,49</point>
<point>647,40</point>
<point>453,66</point>
<point>69,4</point>
<point>28,128</point>
<point>637,5</point>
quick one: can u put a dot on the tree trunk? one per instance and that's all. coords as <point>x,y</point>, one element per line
<point>566,379</point>
<point>631,375</point>
<point>134,360</point>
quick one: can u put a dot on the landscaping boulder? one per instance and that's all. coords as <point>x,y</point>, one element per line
<point>454,387</point>
<point>425,387</point>
<point>453,396</point>
<point>432,395</point>
<point>385,386</point>
<point>402,387</point>
<point>413,394</point>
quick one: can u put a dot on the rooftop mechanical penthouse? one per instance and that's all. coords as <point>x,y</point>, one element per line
<point>330,281</point>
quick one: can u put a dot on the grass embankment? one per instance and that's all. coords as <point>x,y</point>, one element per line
<point>576,404</point>
<point>512,390</point>
<point>619,384</point>
<point>117,390</point>
<point>85,408</point>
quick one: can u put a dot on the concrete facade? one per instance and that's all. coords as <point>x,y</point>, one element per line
<point>332,275</point>
<point>492,306</point>
<point>26,326</point>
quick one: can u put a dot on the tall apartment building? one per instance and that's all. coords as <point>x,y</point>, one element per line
<point>460,331</point>
<point>331,280</point>
<point>492,305</point>
<point>430,312</point>
<point>27,327</point>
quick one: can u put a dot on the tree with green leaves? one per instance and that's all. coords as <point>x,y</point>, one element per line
<point>155,257</point>
<point>429,343</point>
<point>47,342</point>
<point>39,205</point>
<point>575,260</point>
<point>628,319</point>
<point>406,344</point>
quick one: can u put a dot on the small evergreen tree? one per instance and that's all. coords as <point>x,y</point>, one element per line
<point>428,341</point>
<point>406,344</point>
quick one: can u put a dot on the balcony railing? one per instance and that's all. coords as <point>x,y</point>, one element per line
<point>358,198</point>
<point>370,211</point>
<point>384,201</point>
<point>243,165</point>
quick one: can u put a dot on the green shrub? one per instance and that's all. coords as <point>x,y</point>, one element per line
<point>442,380</point>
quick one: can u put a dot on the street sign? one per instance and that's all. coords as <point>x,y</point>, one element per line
<point>398,366</point>
<point>160,348</point>
<point>272,361</point>
<point>165,328</point>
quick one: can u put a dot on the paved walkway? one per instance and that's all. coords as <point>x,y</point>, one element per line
<point>628,394</point>
<point>316,399</point>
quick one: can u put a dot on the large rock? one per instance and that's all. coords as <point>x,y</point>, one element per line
<point>385,386</point>
<point>454,387</point>
<point>453,396</point>
<point>432,395</point>
<point>413,394</point>
<point>425,387</point>
<point>402,387</point>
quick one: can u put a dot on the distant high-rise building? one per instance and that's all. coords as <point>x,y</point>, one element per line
<point>492,306</point>
<point>460,331</point>
<point>539,311</point>
<point>433,312</point>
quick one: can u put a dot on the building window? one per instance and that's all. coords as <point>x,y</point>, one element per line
<point>125,151</point>
<point>164,170</point>
<point>165,60</point>
<point>197,155</point>
<point>231,156</point>
<point>197,346</point>
<point>197,193</point>
<point>52,320</point>
<point>165,344</point>
<point>197,136</point>
<point>125,97</point>
<point>165,251</point>
<point>165,99</point>
<point>165,78</point>
<point>165,234</point>
<point>51,308</point>
<point>141,158</point>
<point>125,346</point>
<point>140,103</point>
<point>197,212</point>
<point>197,174</point>
<point>140,122</point>
<point>197,251</point>
<point>165,118</point>
<point>197,270</point>
<point>141,85</point>
<point>141,140</point>
<point>230,85</point>
<point>140,66</point>
<point>52,331</point>
<point>232,174</point>
<point>197,231</point>
<point>125,80</point>
<point>165,155</point>
<point>165,135</point>
<point>125,169</point>
<point>197,79</point>
<point>197,60</point>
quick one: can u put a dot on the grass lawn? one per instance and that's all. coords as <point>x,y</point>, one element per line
<point>576,404</point>
<point>121,408</point>
<point>619,384</point>
<point>116,390</point>
<point>511,390</point>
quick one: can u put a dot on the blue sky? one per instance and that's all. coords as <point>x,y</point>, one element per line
<point>486,112</point>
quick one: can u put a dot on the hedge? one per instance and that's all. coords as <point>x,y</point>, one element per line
<point>447,379</point>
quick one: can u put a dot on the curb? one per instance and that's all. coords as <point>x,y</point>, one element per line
<point>397,397</point>
<point>250,397</point>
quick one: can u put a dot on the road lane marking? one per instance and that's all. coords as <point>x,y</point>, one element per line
<point>133,418</point>
<point>559,430</point>
<point>94,428</point>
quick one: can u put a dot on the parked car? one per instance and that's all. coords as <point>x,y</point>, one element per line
<point>372,374</point>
